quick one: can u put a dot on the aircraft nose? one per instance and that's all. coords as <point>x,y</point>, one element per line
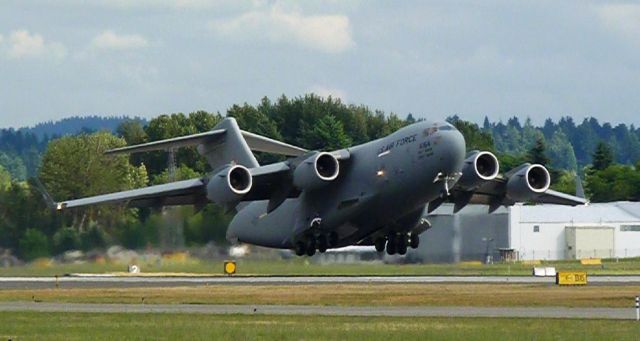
<point>453,150</point>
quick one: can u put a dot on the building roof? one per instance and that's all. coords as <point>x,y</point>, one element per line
<point>623,211</point>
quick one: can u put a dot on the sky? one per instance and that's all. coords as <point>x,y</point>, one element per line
<point>433,59</point>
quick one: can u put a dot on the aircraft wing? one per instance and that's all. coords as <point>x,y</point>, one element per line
<point>494,193</point>
<point>555,197</point>
<point>268,181</point>
<point>271,182</point>
<point>174,193</point>
<point>342,154</point>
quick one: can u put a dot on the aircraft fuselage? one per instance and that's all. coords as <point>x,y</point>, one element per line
<point>383,181</point>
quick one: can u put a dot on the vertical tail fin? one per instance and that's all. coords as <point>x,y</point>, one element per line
<point>232,148</point>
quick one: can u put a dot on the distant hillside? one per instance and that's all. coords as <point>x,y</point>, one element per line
<point>21,150</point>
<point>570,144</point>
<point>74,125</point>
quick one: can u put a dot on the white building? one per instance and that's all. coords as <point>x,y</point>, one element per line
<point>546,232</point>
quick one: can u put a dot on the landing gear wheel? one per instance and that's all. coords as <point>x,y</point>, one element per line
<point>322,243</point>
<point>391,246</point>
<point>300,249</point>
<point>311,247</point>
<point>402,249</point>
<point>391,249</point>
<point>379,244</point>
<point>415,241</point>
<point>333,239</point>
<point>402,245</point>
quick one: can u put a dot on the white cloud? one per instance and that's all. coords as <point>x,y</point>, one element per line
<point>152,4</point>
<point>23,44</point>
<point>324,91</point>
<point>109,40</point>
<point>1,38</point>
<point>623,18</point>
<point>327,33</point>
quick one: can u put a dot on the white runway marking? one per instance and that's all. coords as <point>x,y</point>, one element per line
<point>132,281</point>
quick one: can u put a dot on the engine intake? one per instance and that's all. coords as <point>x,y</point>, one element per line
<point>229,185</point>
<point>528,182</point>
<point>478,168</point>
<point>316,171</point>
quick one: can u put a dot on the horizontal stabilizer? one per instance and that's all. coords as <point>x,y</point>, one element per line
<point>254,141</point>
<point>182,141</point>
<point>261,143</point>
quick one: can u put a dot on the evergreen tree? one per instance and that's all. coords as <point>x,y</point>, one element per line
<point>132,131</point>
<point>530,134</point>
<point>5,179</point>
<point>475,138</point>
<point>561,152</point>
<point>549,128</point>
<point>486,125</point>
<point>327,134</point>
<point>602,157</point>
<point>537,154</point>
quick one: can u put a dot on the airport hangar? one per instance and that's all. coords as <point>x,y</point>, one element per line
<point>531,232</point>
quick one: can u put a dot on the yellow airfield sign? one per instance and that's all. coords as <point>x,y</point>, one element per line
<point>571,278</point>
<point>591,261</point>
<point>229,267</point>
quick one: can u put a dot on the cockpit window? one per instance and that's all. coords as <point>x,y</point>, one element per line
<point>446,127</point>
<point>430,130</point>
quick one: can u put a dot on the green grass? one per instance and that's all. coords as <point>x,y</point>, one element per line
<point>73,326</point>
<point>434,294</point>
<point>302,266</point>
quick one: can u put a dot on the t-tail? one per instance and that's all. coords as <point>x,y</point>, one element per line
<point>225,144</point>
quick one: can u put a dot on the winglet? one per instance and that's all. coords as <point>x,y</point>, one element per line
<point>48,199</point>
<point>579,188</point>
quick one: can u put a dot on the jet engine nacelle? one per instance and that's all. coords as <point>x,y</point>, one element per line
<point>229,185</point>
<point>478,168</point>
<point>528,183</point>
<point>316,171</point>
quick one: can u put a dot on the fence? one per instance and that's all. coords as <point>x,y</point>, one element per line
<point>551,254</point>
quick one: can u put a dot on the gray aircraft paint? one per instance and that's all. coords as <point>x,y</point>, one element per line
<point>381,188</point>
<point>362,200</point>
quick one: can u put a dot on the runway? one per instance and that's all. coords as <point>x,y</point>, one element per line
<point>505,312</point>
<point>108,281</point>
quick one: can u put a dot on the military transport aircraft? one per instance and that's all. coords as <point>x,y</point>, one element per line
<point>370,194</point>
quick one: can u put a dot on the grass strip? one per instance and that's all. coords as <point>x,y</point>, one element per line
<point>302,266</point>
<point>99,326</point>
<point>438,294</point>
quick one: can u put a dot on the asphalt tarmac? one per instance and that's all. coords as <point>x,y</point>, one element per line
<point>509,312</point>
<point>110,281</point>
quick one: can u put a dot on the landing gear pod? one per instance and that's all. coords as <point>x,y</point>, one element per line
<point>229,185</point>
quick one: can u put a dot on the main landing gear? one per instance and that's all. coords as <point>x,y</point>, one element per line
<point>321,242</point>
<point>397,243</point>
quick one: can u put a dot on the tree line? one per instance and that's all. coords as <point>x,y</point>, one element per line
<point>74,166</point>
